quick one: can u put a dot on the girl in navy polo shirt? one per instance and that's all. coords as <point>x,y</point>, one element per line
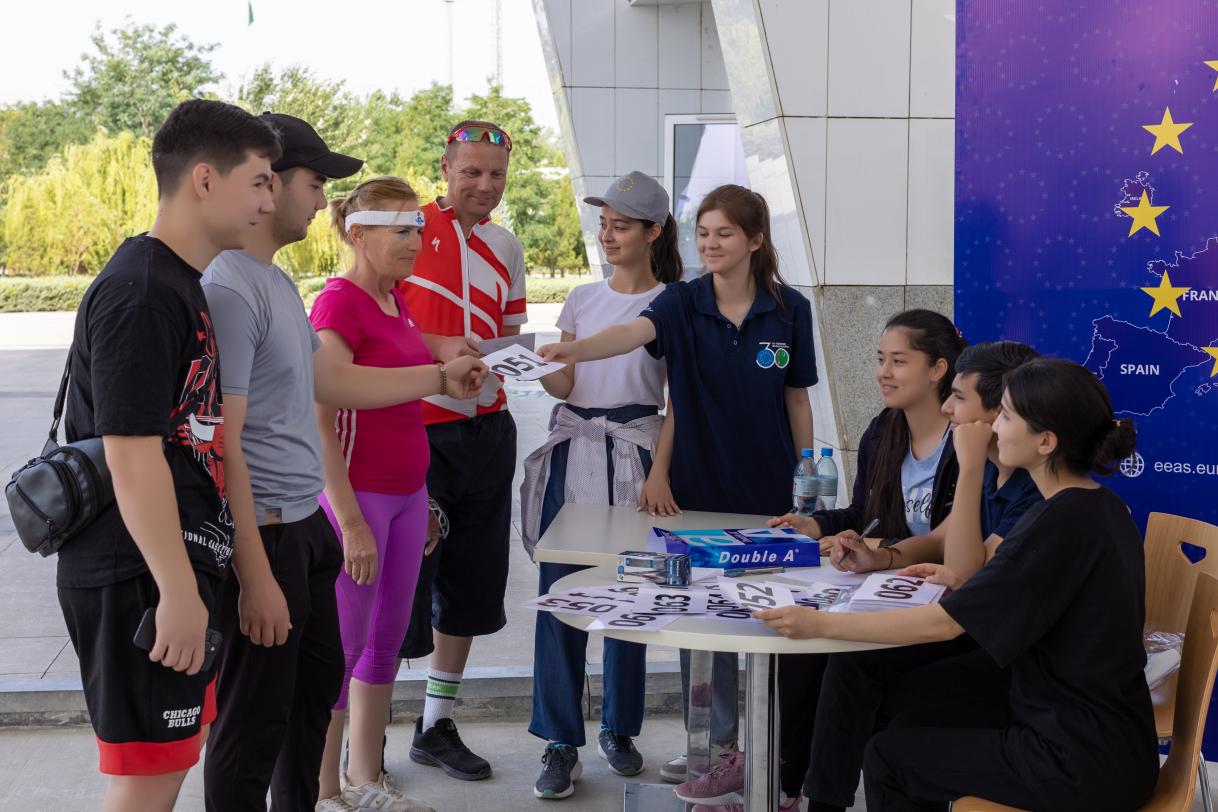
<point>737,343</point>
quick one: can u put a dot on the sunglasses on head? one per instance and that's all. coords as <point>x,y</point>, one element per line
<point>474,133</point>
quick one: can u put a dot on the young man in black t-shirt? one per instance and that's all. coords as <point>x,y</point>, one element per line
<point>146,378</point>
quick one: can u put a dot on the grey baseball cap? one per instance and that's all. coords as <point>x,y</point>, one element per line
<point>635,195</point>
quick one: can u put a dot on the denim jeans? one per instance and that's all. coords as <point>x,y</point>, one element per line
<point>560,651</point>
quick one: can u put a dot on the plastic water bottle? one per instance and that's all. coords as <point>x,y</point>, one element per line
<point>806,486</point>
<point>826,479</point>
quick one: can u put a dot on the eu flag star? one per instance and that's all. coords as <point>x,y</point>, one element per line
<point>1213,63</point>
<point>1165,295</point>
<point>1166,132</point>
<point>1213,353</point>
<point>1144,215</point>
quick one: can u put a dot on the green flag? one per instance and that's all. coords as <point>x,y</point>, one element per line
<point>250,6</point>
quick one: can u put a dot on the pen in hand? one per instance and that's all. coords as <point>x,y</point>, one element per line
<point>871,525</point>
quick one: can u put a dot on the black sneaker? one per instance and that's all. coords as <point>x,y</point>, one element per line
<point>560,769</point>
<point>441,746</point>
<point>619,752</point>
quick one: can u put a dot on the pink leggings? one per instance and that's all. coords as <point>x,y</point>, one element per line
<point>373,618</point>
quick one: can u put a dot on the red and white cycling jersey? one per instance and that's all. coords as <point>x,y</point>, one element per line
<point>465,287</point>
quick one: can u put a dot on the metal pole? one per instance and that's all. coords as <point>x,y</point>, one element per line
<point>499,42</point>
<point>451,78</point>
<point>761,732</point>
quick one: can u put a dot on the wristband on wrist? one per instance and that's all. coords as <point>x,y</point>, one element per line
<point>443,380</point>
<point>892,555</point>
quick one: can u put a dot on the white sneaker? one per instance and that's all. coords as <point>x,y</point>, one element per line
<point>382,796</point>
<point>335,804</point>
<point>674,770</point>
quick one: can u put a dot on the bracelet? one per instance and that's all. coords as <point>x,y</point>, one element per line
<point>443,380</point>
<point>892,555</point>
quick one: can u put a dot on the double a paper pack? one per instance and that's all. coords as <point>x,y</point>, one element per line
<point>739,549</point>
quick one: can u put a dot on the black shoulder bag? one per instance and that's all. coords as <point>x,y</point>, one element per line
<point>62,491</point>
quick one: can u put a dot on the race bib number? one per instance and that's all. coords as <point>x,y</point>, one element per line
<point>672,601</point>
<point>754,595</point>
<point>633,620</point>
<point>517,362</point>
<point>582,602</point>
<point>887,591</point>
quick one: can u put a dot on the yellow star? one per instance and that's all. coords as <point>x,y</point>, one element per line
<point>1144,215</point>
<point>1165,296</point>
<point>1214,64</point>
<point>1166,133</point>
<point>1213,353</point>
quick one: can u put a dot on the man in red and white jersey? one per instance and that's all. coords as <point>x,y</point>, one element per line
<point>468,286</point>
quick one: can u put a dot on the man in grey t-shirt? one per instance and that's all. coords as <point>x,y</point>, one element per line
<point>268,347</point>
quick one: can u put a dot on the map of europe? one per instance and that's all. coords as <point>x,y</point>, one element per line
<point>1141,364</point>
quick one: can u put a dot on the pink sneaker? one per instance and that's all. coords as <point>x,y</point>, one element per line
<point>719,787</point>
<point>785,804</point>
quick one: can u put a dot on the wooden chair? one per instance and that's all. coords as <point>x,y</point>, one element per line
<point>1169,590</point>
<point>1176,787</point>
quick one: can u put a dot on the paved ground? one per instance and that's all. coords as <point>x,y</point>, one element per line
<point>33,640</point>
<point>53,769</point>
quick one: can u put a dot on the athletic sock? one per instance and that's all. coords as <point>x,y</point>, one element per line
<point>442,690</point>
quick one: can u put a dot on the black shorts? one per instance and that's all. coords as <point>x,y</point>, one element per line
<point>462,583</point>
<point>147,717</point>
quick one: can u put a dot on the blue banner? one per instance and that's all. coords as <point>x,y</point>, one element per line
<point>1086,147</point>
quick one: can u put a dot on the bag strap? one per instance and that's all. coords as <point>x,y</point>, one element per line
<point>57,414</point>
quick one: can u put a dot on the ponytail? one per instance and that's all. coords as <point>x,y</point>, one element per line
<point>666,264</point>
<point>1068,400</point>
<point>383,189</point>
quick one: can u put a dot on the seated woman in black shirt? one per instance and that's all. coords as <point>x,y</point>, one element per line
<point>1060,602</point>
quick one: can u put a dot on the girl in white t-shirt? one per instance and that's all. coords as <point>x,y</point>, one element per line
<point>609,464</point>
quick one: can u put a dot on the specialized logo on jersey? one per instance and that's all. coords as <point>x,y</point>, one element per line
<point>435,244</point>
<point>773,354</point>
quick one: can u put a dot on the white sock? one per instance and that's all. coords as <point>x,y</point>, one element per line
<point>442,690</point>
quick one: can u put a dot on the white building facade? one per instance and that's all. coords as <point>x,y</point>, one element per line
<point>840,112</point>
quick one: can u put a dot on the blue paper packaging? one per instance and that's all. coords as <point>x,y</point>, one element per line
<point>740,548</point>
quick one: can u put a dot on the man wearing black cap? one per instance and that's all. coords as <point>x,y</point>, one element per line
<point>281,665</point>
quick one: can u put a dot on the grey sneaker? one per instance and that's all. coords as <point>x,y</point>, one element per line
<point>620,752</point>
<point>560,769</point>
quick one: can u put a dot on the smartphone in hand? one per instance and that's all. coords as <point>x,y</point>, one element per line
<point>145,637</point>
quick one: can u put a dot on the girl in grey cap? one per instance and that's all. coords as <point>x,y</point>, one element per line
<point>639,238</point>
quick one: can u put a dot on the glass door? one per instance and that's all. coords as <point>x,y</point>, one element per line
<point>701,152</point>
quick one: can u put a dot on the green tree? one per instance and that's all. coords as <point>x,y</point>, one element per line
<point>70,216</point>
<point>32,132</point>
<point>426,120</point>
<point>137,75</point>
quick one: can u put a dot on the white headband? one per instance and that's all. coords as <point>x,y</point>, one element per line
<point>413,219</point>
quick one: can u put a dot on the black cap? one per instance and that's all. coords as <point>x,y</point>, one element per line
<point>302,146</point>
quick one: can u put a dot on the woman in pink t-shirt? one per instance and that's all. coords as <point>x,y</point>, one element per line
<point>376,466</point>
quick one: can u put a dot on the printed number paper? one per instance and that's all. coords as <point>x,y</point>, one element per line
<point>519,363</point>
<point>755,595</point>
